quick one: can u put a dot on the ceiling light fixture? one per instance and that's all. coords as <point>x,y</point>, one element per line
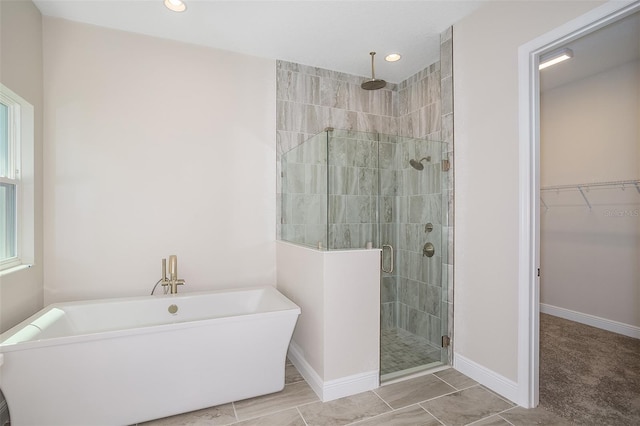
<point>392,57</point>
<point>175,5</point>
<point>555,57</point>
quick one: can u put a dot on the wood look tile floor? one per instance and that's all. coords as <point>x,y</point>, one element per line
<point>443,398</point>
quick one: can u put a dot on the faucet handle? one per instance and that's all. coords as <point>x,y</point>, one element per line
<point>164,270</point>
<point>173,267</point>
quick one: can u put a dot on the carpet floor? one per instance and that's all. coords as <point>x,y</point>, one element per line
<point>588,375</point>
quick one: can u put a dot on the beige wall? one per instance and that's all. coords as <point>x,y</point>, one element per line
<point>21,71</point>
<point>589,257</point>
<point>485,58</point>
<point>301,278</point>
<point>155,148</point>
<point>590,128</point>
<point>336,343</point>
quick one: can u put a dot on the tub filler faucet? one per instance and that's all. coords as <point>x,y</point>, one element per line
<point>173,281</point>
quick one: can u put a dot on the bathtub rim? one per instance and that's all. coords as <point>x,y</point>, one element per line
<point>289,309</point>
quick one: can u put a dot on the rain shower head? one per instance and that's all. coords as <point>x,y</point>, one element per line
<point>374,83</point>
<point>418,164</point>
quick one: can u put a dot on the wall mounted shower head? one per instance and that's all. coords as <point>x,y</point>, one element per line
<point>373,84</point>
<point>418,164</point>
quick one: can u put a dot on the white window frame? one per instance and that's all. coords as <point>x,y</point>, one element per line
<point>21,163</point>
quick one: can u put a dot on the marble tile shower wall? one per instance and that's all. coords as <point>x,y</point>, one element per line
<point>353,190</point>
<point>311,99</point>
<point>304,198</point>
<point>350,206</point>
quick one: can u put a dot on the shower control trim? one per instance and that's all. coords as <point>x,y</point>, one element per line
<point>428,250</point>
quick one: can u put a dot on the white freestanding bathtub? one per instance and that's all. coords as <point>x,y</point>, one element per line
<point>123,361</point>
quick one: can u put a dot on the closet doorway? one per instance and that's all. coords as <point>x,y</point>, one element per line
<point>590,227</point>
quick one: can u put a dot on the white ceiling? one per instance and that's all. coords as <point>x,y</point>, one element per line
<point>336,35</point>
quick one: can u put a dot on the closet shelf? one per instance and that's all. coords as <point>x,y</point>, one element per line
<point>581,187</point>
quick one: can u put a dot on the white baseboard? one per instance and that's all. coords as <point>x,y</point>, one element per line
<point>350,385</point>
<point>312,378</point>
<point>494,381</point>
<point>332,389</point>
<point>592,320</point>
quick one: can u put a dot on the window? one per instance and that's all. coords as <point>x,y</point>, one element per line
<point>8,185</point>
<point>16,180</point>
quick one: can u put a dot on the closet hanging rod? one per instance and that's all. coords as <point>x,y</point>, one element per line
<point>581,187</point>
<point>622,184</point>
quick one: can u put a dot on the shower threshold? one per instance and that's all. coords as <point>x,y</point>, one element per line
<point>410,373</point>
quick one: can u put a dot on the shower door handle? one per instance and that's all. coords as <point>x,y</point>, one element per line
<point>390,247</point>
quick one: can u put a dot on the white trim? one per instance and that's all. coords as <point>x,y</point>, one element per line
<point>494,381</point>
<point>529,150</point>
<point>14,269</point>
<point>24,165</point>
<point>592,320</point>
<point>527,257</point>
<point>305,369</point>
<point>332,389</point>
<point>350,385</point>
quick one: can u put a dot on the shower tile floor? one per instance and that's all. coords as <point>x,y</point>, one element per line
<point>401,350</point>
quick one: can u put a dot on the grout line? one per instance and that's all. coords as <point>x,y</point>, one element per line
<point>432,415</point>
<point>505,419</point>
<point>504,411</point>
<point>278,410</point>
<point>301,416</point>
<point>235,413</point>
<point>382,414</point>
<point>443,380</point>
<point>311,402</point>
<point>270,413</point>
<point>459,389</point>
<point>475,422</point>
<point>440,396</point>
<point>382,399</point>
<point>499,396</point>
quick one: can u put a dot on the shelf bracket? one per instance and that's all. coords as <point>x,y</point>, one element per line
<point>546,207</point>
<point>584,196</point>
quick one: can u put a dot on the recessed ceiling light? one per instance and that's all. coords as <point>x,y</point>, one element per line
<point>555,57</point>
<point>175,5</point>
<point>392,57</point>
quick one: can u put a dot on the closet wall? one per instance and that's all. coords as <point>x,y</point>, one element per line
<point>590,133</point>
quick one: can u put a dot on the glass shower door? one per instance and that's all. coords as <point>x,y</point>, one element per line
<point>414,310</point>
